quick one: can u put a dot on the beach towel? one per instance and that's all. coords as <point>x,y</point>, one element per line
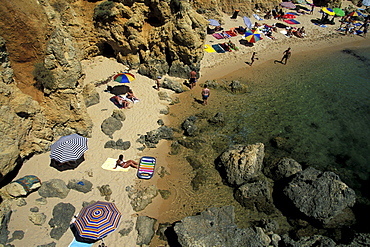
<point>146,167</point>
<point>75,243</point>
<point>225,47</point>
<point>217,36</point>
<point>292,13</point>
<point>230,33</point>
<point>291,21</point>
<point>133,101</point>
<point>257,17</point>
<point>115,101</point>
<point>209,48</point>
<point>218,48</point>
<point>109,165</point>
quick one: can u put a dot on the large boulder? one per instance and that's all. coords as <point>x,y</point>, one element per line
<point>145,229</point>
<point>54,188</point>
<point>319,195</point>
<point>216,227</point>
<point>242,163</point>
<point>62,215</point>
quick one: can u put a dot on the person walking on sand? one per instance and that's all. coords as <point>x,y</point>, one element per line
<point>158,82</point>
<point>193,79</point>
<point>205,94</point>
<point>125,164</point>
<point>287,53</point>
<point>253,58</point>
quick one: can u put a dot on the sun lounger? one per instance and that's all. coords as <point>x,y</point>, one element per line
<point>146,167</point>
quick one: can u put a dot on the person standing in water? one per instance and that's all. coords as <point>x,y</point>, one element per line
<point>287,53</point>
<point>205,94</point>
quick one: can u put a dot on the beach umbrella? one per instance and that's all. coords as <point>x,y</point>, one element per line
<point>289,16</point>
<point>252,36</point>
<point>213,22</point>
<point>339,12</point>
<point>328,11</point>
<point>97,220</point>
<point>366,3</point>
<point>288,5</point>
<point>355,13</point>
<point>68,148</point>
<point>247,22</point>
<point>124,77</point>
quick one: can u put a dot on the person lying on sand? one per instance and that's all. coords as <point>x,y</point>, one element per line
<point>130,95</point>
<point>125,164</point>
<point>124,103</point>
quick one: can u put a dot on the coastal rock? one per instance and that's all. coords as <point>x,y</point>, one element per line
<point>284,168</point>
<point>111,125</point>
<point>153,137</point>
<point>62,215</point>
<point>256,196</point>
<point>37,218</point>
<point>189,126</point>
<point>126,227</point>
<point>6,212</point>
<point>54,188</point>
<point>82,185</point>
<point>316,240</point>
<point>242,163</point>
<point>120,144</point>
<point>360,239</point>
<point>319,195</point>
<point>145,230</point>
<point>140,199</point>
<point>91,96</point>
<point>105,191</point>
<point>217,229</point>
<point>236,86</point>
<point>218,119</point>
<point>173,85</point>
<point>119,115</point>
<point>17,235</point>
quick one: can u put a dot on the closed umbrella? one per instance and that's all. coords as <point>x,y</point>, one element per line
<point>288,5</point>
<point>247,22</point>
<point>124,77</point>
<point>97,220</point>
<point>68,148</point>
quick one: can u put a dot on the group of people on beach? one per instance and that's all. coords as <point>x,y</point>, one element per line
<point>124,102</point>
<point>349,25</point>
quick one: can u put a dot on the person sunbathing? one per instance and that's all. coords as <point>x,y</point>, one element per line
<point>269,34</point>
<point>130,95</point>
<point>122,102</point>
<point>232,45</point>
<point>125,164</point>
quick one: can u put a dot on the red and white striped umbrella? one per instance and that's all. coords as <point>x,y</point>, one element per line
<point>68,148</point>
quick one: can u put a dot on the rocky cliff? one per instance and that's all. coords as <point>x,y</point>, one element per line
<point>45,40</point>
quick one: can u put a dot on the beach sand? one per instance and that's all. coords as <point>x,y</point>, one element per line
<point>141,118</point>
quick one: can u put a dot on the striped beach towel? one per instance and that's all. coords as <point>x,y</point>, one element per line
<point>146,167</point>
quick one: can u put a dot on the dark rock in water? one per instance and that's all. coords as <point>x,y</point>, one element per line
<point>218,119</point>
<point>17,235</point>
<point>175,148</point>
<point>160,122</point>
<point>216,227</point>
<point>284,168</point>
<point>241,163</point>
<point>236,86</point>
<point>189,126</point>
<point>360,239</point>
<point>62,215</point>
<point>212,84</point>
<point>145,229</point>
<point>140,199</point>
<point>126,227</point>
<point>199,179</point>
<point>161,232</point>
<point>52,244</point>
<point>82,185</point>
<point>105,191</point>
<point>54,188</point>
<point>319,195</point>
<point>111,125</point>
<point>194,144</point>
<point>313,241</point>
<point>256,196</point>
<point>153,137</point>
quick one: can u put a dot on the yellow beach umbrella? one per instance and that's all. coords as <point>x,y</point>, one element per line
<point>329,11</point>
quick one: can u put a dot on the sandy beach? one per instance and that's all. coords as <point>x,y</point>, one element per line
<point>141,118</point>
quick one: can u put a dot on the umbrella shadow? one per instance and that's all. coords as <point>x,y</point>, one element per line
<point>246,43</point>
<point>69,165</point>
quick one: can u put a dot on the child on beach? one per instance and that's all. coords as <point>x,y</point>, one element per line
<point>124,164</point>
<point>287,53</point>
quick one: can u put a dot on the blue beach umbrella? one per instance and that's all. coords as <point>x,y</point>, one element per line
<point>213,22</point>
<point>366,3</point>
<point>124,77</point>
<point>68,148</point>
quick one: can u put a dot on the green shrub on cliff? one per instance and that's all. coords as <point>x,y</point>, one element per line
<point>103,12</point>
<point>43,76</point>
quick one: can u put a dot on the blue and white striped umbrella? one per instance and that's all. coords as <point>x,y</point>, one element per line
<point>68,148</point>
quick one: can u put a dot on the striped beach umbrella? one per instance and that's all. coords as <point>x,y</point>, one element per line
<point>355,13</point>
<point>97,220</point>
<point>124,77</point>
<point>68,148</point>
<point>329,11</point>
<point>252,36</point>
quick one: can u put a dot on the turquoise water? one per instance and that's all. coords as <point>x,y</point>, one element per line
<point>315,109</point>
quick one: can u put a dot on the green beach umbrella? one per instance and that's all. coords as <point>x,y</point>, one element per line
<point>339,12</point>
